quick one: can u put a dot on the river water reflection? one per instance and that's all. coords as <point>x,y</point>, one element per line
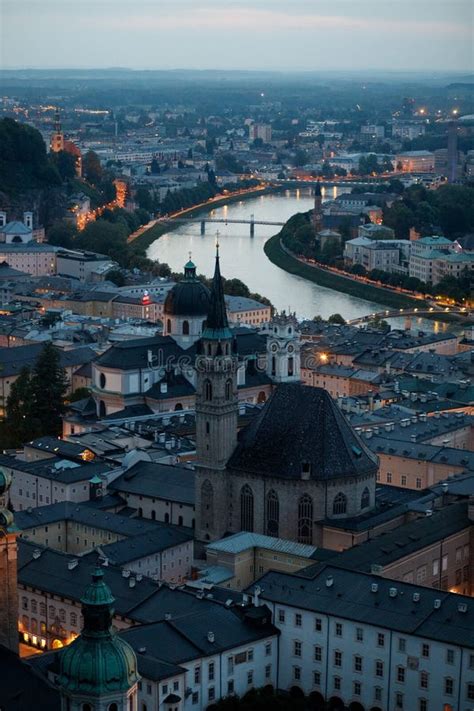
<point>243,257</point>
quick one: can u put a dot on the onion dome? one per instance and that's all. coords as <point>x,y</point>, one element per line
<point>98,662</point>
<point>189,297</point>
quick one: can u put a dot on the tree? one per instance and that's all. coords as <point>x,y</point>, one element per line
<point>91,167</point>
<point>79,394</point>
<point>62,234</point>
<point>144,199</point>
<point>301,157</point>
<point>19,427</point>
<point>65,163</point>
<point>116,277</point>
<point>49,385</point>
<point>155,167</point>
<point>337,319</point>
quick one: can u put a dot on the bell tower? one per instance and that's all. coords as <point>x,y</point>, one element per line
<point>283,349</point>
<point>318,211</point>
<point>216,414</point>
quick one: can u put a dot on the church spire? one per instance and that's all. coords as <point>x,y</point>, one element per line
<point>217,325</point>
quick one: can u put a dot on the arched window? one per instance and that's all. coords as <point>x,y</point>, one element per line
<point>185,328</point>
<point>86,707</point>
<point>102,409</point>
<point>102,380</point>
<point>180,520</point>
<point>305,519</point>
<point>167,518</point>
<point>113,707</point>
<point>207,504</point>
<point>290,365</point>
<point>365,498</point>
<point>339,505</point>
<point>207,390</point>
<point>153,515</point>
<point>273,513</point>
<point>168,326</point>
<point>228,389</point>
<point>273,365</point>
<point>178,406</point>
<point>246,508</point>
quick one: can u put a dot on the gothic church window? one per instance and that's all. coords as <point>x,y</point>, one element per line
<point>339,505</point>
<point>185,328</point>
<point>228,389</point>
<point>207,390</point>
<point>273,513</point>
<point>168,325</point>
<point>246,508</point>
<point>305,519</point>
<point>273,365</point>
<point>290,366</point>
<point>207,504</point>
<point>365,499</point>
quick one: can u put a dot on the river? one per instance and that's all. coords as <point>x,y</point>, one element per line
<point>243,257</point>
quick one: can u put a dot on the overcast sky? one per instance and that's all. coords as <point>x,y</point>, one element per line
<point>238,34</point>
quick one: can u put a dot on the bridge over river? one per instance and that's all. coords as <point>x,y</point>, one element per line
<point>459,312</point>
<point>251,221</point>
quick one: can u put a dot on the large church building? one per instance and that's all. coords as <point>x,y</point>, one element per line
<point>296,466</point>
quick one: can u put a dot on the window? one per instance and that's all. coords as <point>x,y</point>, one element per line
<point>401,675</point>
<point>318,653</point>
<point>421,574</point>
<point>448,686</point>
<point>230,665</point>
<point>207,504</point>
<point>404,480</point>
<point>418,486</point>
<point>339,505</point>
<point>281,616</point>
<point>365,498</point>
<point>207,390</point>
<point>246,508</point>
<point>305,519</point>
<point>337,659</point>
<point>435,569</point>
<point>318,624</point>
<point>273,513</point>
<point>268,671</point>
<point>425,650</point>
<point>228,389</point>
<point>73,619</point>
<point>250,655</point>
<point>381,639</point>
<point>24,603</point>
<point>250,677</point>
<point>337,683</point>
<point>298,619</point>
<point>377,693</point>
<point>197,675</point>
<point>398,700</point>
<point>423,679</point>
<point>359,634</point>
<point>210,671</point>
<point>357,663</point>
<point>379,668</point>
<point>389,477</point>
<point>297,673</point>
<point>34,606</point>
<point>211,693</point>
<point>296,648</point>
<point>230,687</point>
<point>195,697</point>
<point>422,705</point>
<point>471,660</point>
<point>317,678</point>
<point>185,328</point>
<point>338,629</point>
<point>357,687</point>
<point>268,649</point>
<point>450,656</point>
<point>402,644</point>
<point>470,691</point>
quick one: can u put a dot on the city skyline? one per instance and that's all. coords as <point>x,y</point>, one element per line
<point>419,36</point>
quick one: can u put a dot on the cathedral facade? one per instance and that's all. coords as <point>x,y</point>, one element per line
<point>297,465</point>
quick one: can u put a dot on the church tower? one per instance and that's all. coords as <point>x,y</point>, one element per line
<point>283,349</point>
<point>8,570</point>
<point>98,671</point>
<point>216,414</point>
<point>318,210</point>
<point>57,138</point>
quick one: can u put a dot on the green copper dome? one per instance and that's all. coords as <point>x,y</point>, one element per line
<point>98,662</point>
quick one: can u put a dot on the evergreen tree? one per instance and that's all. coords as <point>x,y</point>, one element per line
<point>48,386</point>
<point>19,425</point>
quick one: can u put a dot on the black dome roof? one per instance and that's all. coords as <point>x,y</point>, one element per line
<point>189,297</point>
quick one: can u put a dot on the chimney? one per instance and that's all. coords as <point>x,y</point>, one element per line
<point>256,595</point>
<point>211,637</point>
<point>163,387</point>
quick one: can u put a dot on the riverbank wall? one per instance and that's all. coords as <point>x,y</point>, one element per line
<point>323,277</point>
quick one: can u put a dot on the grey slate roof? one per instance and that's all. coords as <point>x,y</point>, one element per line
<point>55,469</point>
<point>350,597</point>
<point>14,359</point>
<point>161,481</point>
<point>154,541</point>
<point>302,424</point>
